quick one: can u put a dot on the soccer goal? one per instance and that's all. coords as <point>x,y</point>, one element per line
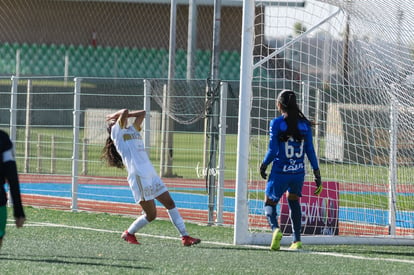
<point>351,65</point>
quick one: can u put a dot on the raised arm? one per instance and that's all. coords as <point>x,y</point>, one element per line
<point>139,117</point>
<point>121,116</point>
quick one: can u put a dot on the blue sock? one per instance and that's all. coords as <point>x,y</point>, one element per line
<point>296,217</point>
<point>271,215</point>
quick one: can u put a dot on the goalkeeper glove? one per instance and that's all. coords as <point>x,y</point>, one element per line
<point>263,171</point>
<point>318,182</point>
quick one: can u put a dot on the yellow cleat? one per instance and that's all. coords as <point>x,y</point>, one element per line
<point>296,246</point>
<point>277,236</point>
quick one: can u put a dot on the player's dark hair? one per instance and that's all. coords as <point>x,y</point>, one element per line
<point>109,153</point>
<point>287,100</point>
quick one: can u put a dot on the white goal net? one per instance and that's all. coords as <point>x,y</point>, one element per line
<point>351,66</point>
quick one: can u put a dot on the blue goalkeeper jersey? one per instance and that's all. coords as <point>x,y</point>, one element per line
<point>289,156</point>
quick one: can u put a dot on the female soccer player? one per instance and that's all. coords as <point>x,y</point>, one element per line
<point>290,139</point>
<point>8,171</point>
<point>125,148</point>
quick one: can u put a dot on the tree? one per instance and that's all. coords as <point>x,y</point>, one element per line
<point>299,28</point>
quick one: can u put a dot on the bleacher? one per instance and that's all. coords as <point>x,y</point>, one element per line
<point>89,61</point>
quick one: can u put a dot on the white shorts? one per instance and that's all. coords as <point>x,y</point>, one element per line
<point>146,188</point>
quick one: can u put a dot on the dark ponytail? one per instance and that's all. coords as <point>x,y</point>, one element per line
<point>109,153</point>
<point>287,101</point>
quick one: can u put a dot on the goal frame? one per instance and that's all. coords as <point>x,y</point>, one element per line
<point>242,236</point>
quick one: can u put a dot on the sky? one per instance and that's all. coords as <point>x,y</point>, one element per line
<point>280,20</point>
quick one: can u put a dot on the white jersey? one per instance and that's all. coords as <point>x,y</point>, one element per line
<point>143,180</point>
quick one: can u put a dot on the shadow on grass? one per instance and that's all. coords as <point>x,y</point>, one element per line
<point>76,261</point>
<point>408,254</point>
<point>265,249</point>
<point>367,251</point>
<point>371,252</point>
<point>238,248</point>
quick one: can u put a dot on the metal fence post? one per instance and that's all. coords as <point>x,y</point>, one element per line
<point>392,177</point>
<point>75,155</point>
<point>13,108</point>
<point>222,150</point>
<point>147,108</point>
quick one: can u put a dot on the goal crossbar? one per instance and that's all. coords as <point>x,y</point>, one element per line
<point>291,42</point>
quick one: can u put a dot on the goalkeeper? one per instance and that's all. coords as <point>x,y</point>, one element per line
<point>124,147</point>
<point>290,139</point>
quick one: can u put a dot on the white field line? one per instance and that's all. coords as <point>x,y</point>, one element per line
<point>333,254</point>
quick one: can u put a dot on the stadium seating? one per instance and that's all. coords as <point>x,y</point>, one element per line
<point>102,61</point>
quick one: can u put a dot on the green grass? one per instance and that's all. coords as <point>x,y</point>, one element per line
<point>77,248</point>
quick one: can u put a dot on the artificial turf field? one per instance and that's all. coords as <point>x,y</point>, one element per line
<point>59,242</point>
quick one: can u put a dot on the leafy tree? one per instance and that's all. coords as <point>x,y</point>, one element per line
<point>299,28</point>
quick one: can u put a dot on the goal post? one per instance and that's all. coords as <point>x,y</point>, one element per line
<point>352,72</point>
<point>241,235</point>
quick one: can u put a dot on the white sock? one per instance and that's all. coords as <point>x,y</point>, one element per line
<point>178,221</point>
<point>138,224</point>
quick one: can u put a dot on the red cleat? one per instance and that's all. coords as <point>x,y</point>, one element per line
<point>129,237</point>
<point>189,241</point>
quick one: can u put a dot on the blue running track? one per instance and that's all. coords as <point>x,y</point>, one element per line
<point>122,194</point>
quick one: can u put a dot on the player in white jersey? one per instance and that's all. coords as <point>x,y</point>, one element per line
<point>125,148</point>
